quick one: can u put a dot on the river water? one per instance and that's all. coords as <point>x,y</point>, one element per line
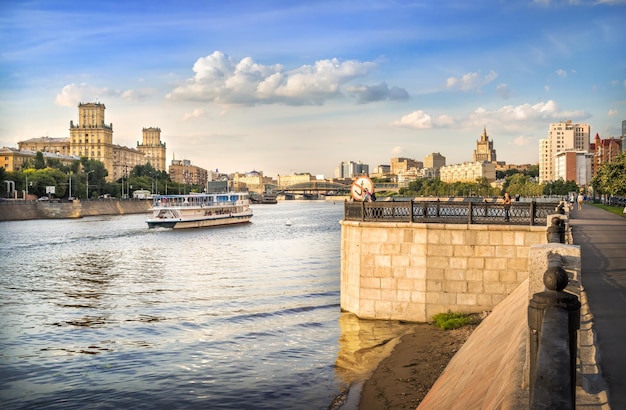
<point>103,313</point>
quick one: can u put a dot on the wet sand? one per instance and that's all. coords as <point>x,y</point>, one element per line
<point>402,379</point>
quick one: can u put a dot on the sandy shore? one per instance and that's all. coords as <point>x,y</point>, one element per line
<point>402,380</point>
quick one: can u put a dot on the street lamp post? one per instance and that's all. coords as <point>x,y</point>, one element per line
<point>88,183</point>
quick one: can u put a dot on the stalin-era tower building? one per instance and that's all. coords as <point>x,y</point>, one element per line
<point>91,137</point>
<point>484,151</point>
<point>153,149</point>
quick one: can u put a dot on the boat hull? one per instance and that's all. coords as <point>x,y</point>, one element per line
<point>198,223</point>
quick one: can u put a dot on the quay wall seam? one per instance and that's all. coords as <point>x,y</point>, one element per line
<point>68,210</point>
<point>412,271</point>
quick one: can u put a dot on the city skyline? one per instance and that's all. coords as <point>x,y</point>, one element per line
<point>284,87</point>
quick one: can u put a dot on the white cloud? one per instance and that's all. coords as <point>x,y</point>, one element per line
<point>421,120</point>
<point>508,115</point>
<point>471,81</point>
<point>523,115</point>
<point>417,119</point>
<point>612,113</point>
<point>197,113</point>
<point>397,151</point>
<point>137,95</point>
<point>219,78</point>
<point>73,94</point>
<point>561,73</point>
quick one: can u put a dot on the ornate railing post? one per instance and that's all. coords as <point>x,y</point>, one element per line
<point>553,321</point>
<point>556,231</point>
<point>469,212</point>
<point>362,210</point>
<point>412,213</point>
<point>533,212</point>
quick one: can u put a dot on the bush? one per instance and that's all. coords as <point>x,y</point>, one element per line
<point>450,320</point>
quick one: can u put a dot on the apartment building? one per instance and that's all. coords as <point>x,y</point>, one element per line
<point>183,172</point>
<point>468,172</point>
<point>562,136</point>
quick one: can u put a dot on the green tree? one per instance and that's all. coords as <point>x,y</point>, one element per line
<point>3,186</point>
<point>40,162</point>
<point>94,172</point>
<point>611,177</point>
<point>560,187</point>
<point>522,185</point>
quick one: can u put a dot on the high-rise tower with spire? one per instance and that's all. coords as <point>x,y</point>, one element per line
<point>484,151</point>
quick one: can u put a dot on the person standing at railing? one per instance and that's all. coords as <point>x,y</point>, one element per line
<point>367,197</point>
<point>507,206</point>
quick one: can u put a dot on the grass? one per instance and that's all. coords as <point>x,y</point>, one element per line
<point>617,210</point>
<point>450,320</point>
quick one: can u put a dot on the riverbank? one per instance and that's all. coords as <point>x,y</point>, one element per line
<point>402,379</point>
<point>28,210</point>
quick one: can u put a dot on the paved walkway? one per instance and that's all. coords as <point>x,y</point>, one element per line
<point>602,238</point>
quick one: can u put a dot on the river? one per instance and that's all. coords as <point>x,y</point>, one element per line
<point>102,312</point>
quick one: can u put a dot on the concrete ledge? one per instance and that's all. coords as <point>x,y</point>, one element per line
<point>69,210</point>
<point>490,370</point>
<point>487,372</point>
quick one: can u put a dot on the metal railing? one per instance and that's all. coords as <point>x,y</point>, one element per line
<point>453,212</point>
<point>553,322</point>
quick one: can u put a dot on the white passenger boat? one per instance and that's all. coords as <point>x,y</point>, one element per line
<point>199,210</point>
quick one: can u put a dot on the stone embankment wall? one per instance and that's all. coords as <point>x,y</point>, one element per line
<point>67,210</point>
<point>412,271</point>
<point>490,371</point>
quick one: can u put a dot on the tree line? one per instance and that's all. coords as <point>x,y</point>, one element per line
<point>38,173</point>
<point>610,179</point>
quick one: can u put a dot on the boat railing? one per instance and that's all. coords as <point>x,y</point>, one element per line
<point>178,204</point>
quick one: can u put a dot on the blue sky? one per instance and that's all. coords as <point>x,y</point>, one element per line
<point>299,86</point>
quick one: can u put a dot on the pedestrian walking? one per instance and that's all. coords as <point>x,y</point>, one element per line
<point>581,198</point>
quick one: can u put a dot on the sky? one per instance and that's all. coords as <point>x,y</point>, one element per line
<point>288,86</point>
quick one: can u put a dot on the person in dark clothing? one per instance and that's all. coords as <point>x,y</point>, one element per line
<point>507,206</point>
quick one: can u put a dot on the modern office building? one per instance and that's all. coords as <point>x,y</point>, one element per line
<point>573,166</point>
<point>351,169</point>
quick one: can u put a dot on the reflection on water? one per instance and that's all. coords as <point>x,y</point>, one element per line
<point>363,344</point>
<point>104,313</point>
